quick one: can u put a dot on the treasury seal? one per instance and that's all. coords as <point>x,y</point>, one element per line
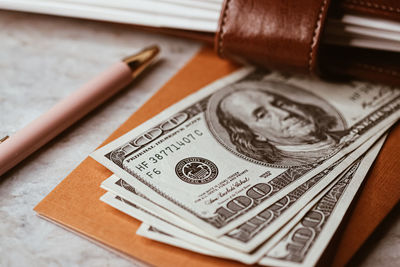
<point>196,170</point>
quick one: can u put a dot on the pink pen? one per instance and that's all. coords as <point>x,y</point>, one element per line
<point>26,141</point>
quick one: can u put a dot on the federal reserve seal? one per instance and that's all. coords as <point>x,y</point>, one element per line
<point>196,170</point>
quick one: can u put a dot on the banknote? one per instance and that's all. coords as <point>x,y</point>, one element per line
<point>156,231</point>
<point>150,218</point>
<point>304,243</point>
<point>155,234</point>
<point>222,155</point>
<point>160,236</point>
<point>250,235</point>
<point>159,226</point>
<point>307,231</point>
<point>195,239</point>
<point>119,187</point>
<point>216,248</point>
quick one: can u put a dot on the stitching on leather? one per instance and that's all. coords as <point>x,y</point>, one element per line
<point>373,5</point>
<point>378,69</point>
<point>221,36</point>
<point>314,37</point>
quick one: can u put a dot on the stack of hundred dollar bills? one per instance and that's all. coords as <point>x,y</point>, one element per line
<point>256,167</point>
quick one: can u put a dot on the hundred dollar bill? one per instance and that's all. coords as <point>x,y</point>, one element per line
<point>304,243</point>
<point>119,187</point>
<point>157,235</point>
<point>157,232</point>
<point>249,236</point>
<point>192,238</point>
<point>149,218</point>
<point>315,214</point>
<point>222,155</point>
<point>210,243</point>
<point>188,237</point>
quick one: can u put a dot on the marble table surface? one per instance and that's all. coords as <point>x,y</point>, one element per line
<point>43,59</point>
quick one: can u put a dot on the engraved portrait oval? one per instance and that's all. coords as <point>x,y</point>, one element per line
<point>196,170</point>
<point>274,123</point>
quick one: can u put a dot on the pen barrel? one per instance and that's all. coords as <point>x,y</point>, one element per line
<point>62,115</point>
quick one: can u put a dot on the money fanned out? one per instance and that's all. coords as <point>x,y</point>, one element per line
<point>256,167</point>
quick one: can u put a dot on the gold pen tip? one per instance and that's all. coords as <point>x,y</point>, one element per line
<point>140,61</point>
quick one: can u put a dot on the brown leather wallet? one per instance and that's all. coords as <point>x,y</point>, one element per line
<point>286,36</point>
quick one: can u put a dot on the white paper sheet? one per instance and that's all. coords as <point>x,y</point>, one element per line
<point>203,16</point>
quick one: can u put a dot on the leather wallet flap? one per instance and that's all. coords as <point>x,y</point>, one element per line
<point>280,35</point>
<point>286,36</point>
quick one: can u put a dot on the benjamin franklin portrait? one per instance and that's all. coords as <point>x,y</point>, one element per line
<point>275,123</point>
